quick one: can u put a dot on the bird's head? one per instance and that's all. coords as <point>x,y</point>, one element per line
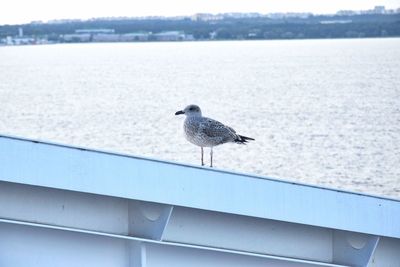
<point>191,110</point>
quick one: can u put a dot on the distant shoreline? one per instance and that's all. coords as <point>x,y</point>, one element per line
<point>200,41</point>
<point>159,30</point>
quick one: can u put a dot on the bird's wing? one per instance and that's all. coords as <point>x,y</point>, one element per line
<point>230,128</point>
<point>213,128</point>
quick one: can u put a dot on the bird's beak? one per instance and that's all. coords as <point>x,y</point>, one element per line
<point>179,112</point>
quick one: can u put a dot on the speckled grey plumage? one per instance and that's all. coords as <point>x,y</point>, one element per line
<point>206,132</point>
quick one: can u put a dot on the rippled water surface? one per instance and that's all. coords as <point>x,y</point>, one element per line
<point>324,112</point>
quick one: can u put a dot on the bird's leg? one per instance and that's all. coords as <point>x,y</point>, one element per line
<point>202,152</point>
<point>211,155</point>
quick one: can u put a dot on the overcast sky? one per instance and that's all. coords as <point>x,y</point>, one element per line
<point>23,11</point>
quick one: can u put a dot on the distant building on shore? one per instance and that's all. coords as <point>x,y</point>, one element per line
<point>206,17</point>
<point>103,35</point>
<point>379,10</point>
<point>76,37</point>
<point>171,36</point>
<point>127,37</point>
<point>109,35</point>
<point>95,31</point>
<point>136,36</point>
<point>337,21</point>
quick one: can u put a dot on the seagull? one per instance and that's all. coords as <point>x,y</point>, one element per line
<point>205,132</point>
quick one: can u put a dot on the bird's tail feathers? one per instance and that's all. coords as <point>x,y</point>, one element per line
<point>243,139</point>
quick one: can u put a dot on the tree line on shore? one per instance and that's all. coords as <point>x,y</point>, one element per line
<point>229,28</point>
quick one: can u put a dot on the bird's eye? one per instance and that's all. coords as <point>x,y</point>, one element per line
<point>192,108</point>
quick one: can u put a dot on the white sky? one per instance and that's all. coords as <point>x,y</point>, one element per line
<point>24,11</point>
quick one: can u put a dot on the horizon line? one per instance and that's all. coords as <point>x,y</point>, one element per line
<point>70,19</point>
